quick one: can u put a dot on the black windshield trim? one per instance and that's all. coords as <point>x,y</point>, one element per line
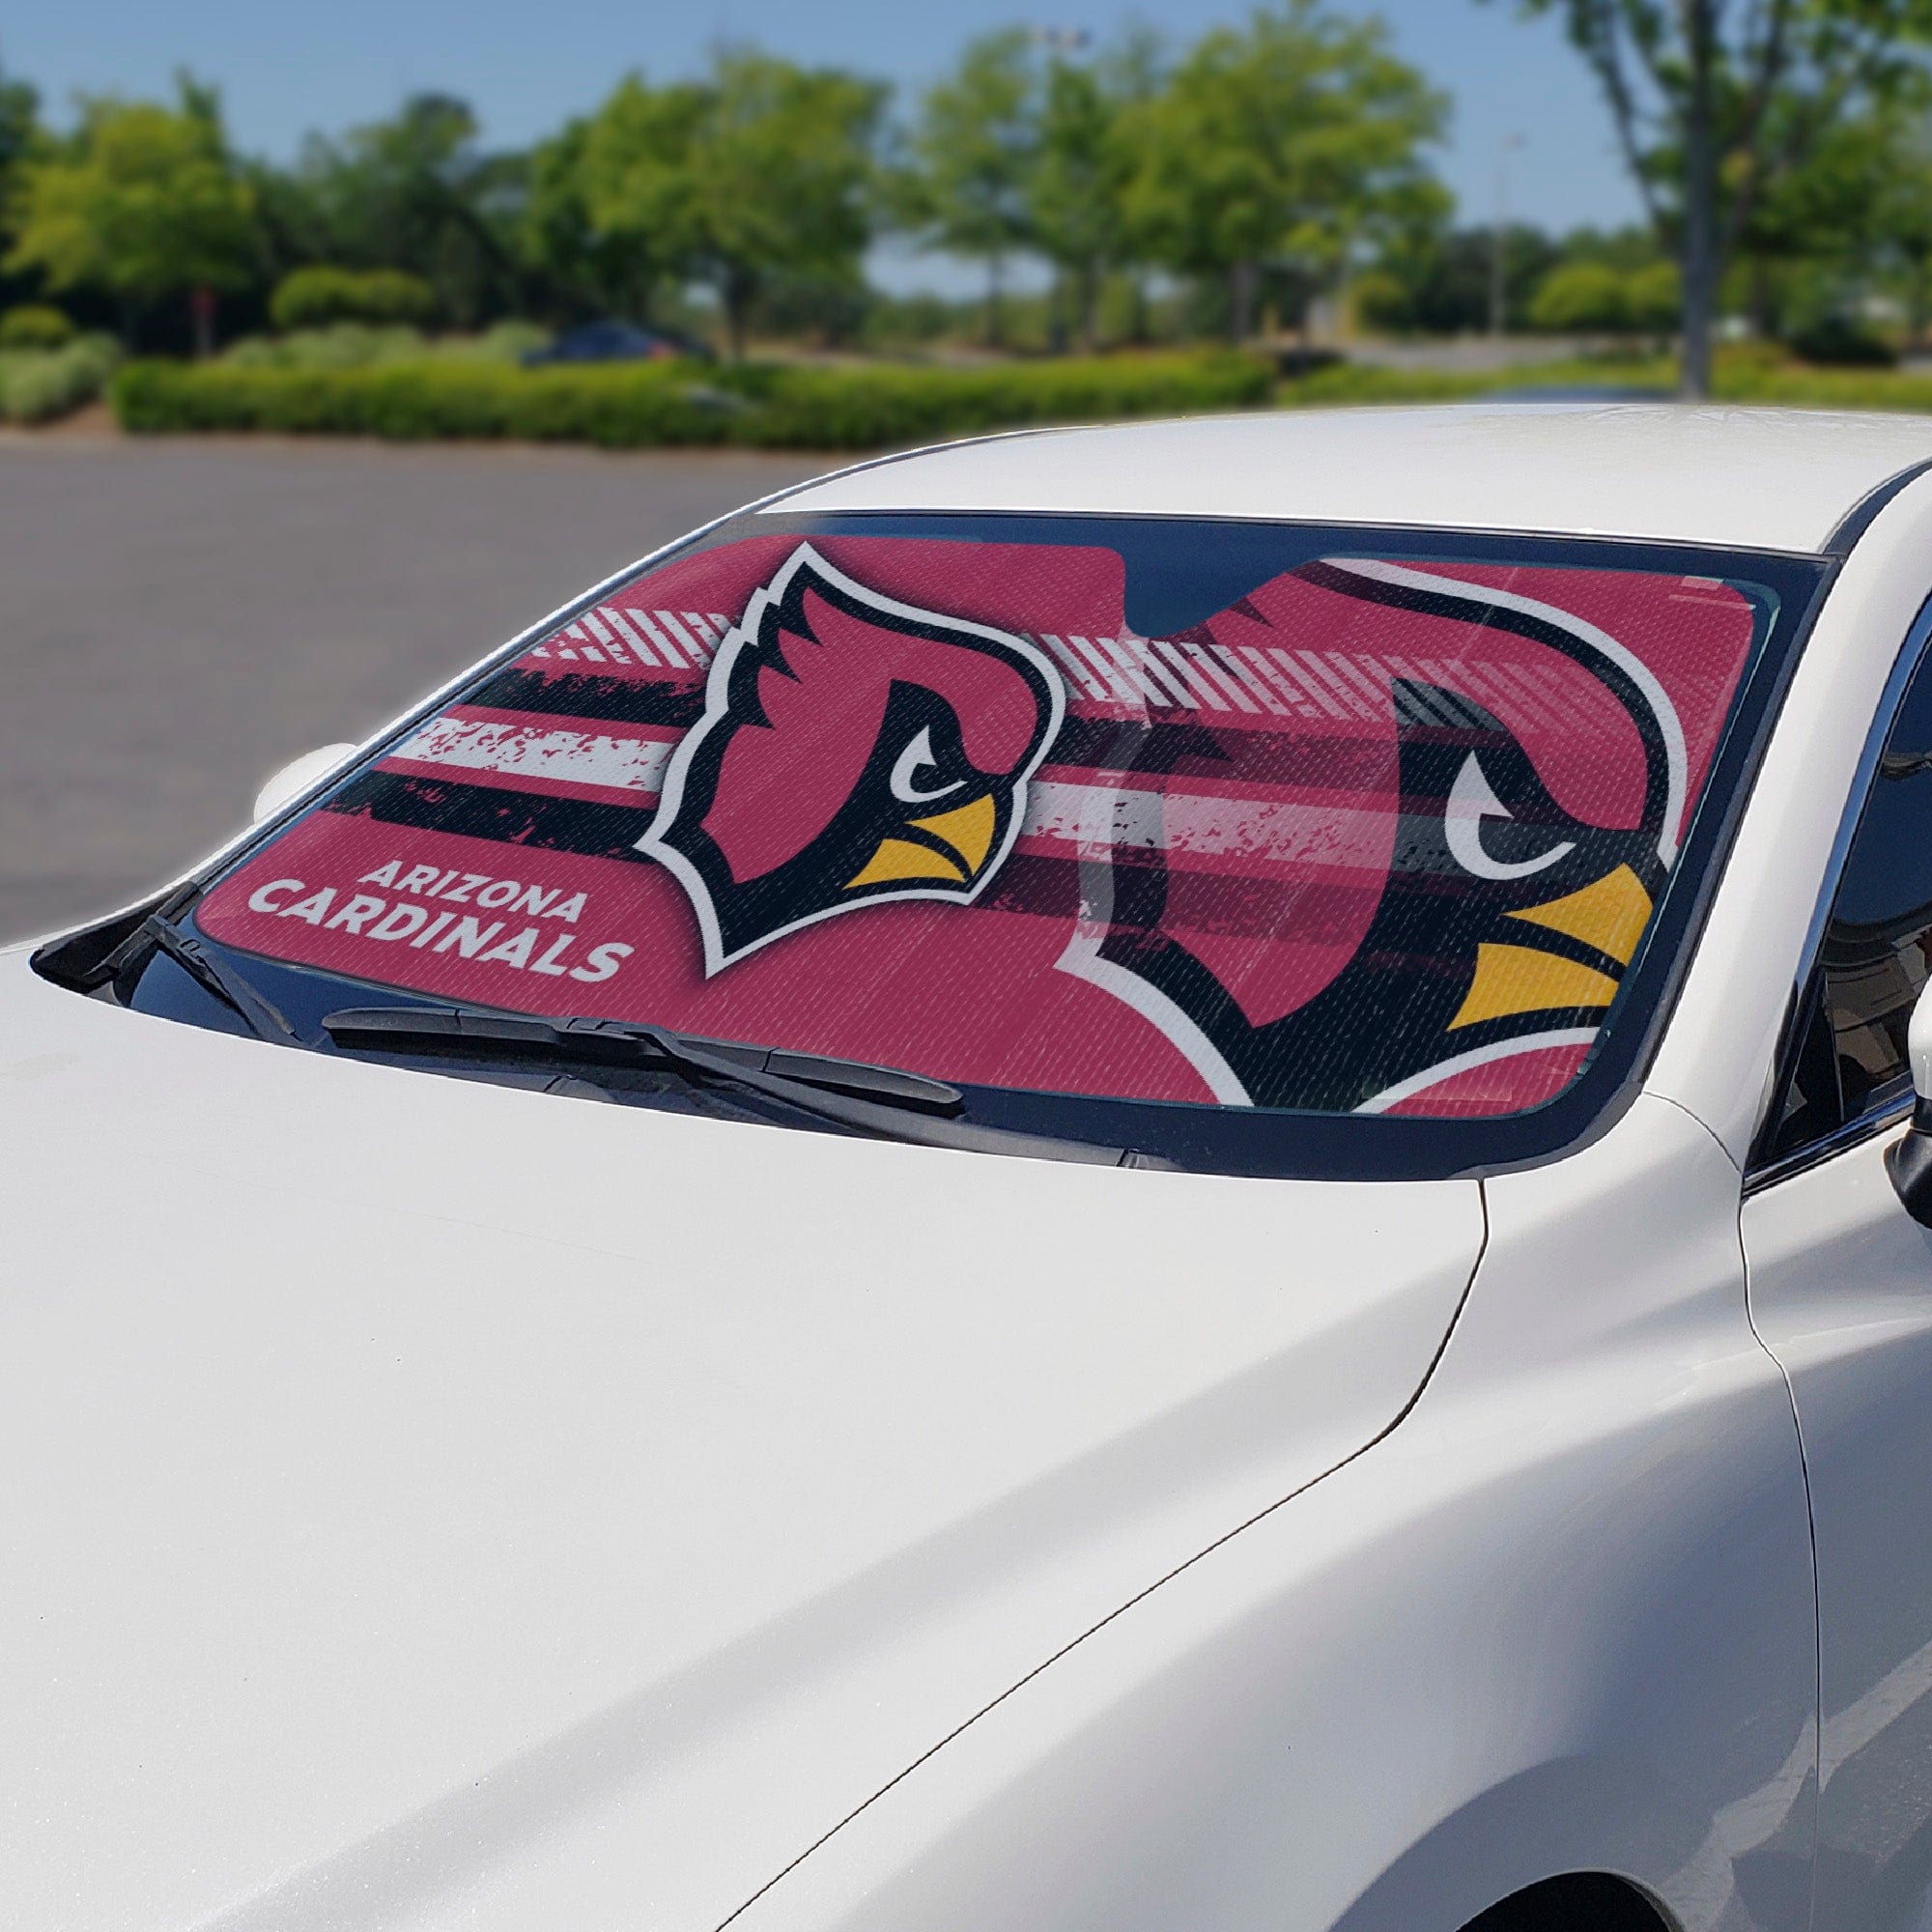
<point>1279,1141</point>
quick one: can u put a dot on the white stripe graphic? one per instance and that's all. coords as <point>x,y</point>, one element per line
<point>665,649</point>
<point>621,624</point>
<point>692,649</point>
<point>1267,832</point>
<point>1185,673</point>
<point>1075,667</point>
<point>516,751</point>
<point>1467,1063</point>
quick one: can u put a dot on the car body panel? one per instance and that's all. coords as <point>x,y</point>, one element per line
<point>1560,1619</point>
<point>432,1474</point>
<point>1841,1293</point>
<point>1769,479</point>
<point>1717,1054</point>
<point>462,1507</point>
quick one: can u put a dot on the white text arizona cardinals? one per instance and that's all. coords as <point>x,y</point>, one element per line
<point>491,942</point>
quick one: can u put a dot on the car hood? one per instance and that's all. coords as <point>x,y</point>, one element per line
<point>430,1503</point>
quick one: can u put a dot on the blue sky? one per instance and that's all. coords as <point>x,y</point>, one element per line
<point>284,70</point>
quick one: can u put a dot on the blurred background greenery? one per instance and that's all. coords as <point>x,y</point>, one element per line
<point>1252,215</point>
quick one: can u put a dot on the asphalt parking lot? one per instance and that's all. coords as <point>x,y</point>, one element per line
<point>179,618</point>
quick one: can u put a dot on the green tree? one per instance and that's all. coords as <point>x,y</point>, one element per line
<point>143,202</point>
<point>1076,190</point>
<point>22,136</point>
<point>761,172</point>
<point>416,192</point>
<point>780,174</point>
<point>971,156</point>
<point>1714,108</point>
<point>1283,142</point>
<point>611,208</point>
<point>1582,298</point>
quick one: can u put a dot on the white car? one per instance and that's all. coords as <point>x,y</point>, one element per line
<point>1121,1181</point>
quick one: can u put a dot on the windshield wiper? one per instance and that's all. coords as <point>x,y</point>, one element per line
<point>206,969</point>
<point>884,1102</point>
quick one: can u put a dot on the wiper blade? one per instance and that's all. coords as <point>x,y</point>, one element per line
<point>883,1102</point>
<point>206,969</point>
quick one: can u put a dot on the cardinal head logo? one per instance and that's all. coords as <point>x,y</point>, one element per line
<point>853,750</point>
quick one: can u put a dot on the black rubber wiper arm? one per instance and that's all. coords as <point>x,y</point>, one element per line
<point>880,1101</point>
<point>206,969</point>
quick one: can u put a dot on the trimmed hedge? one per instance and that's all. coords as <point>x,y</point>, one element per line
<point>39,386</point>
<point>638,405</point>
<point>313,298</point>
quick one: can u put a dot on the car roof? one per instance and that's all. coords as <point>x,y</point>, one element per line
<point>1769,479</point>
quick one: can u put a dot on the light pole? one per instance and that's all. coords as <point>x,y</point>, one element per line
<point>1499,234</point>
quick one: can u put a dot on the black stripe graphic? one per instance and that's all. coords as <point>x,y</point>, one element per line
<point>488,811</point>
<point>618,700</point>
<point>1472,607</point>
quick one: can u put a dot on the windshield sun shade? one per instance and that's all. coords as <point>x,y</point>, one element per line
<point>1363,829</point>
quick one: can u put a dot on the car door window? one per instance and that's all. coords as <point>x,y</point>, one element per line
<point>1847,1060</point>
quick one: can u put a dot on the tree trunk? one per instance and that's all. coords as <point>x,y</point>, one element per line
<point>201,312</point>
<point>1700,195</point>
<point>1088,316</point>
<point>1241,279</point>
<point>996,266</point>
<point>1763,309</point>
<point>737,292</point>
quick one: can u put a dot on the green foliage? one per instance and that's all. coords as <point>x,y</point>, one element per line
<point>313,298</point>
<point>35,325</point>
<point>1585,298</point>
<point>1446,276</point>
<point>1653,298</point>
<point>1382,301</point>
<point>1580,298</point>
<point>414,193</point>
<point>971,154</point>
<point>779,175</point>
<point>1841,341</point>
<point>1286,139</point>
<point>142,202</point>
<point>762,170</point>
<point>609,206</point>
<point>40,385</point>
<point>1076,190</point>
<point>771,405</point>
<point>356,345</point>
<point>1718,109</point>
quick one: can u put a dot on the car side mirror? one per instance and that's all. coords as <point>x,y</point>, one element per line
<point>294,778</point>
<point>1909,1161</point>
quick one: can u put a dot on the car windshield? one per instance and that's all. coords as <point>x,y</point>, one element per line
<point>1174,820</point>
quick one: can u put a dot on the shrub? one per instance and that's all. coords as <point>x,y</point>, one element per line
<point>633,405</point>
<point>1653,298</point>
<point>40,384</point>
<point>361,345</point>
<point>35,325</point>
<point>1353,383</point>
<point>314,297</point>
<point>1579,298</point>
<point>341,345</point>
<point>1380,301</point>
<point>1841,341</point>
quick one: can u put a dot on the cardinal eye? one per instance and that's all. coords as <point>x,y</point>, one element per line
<point>918,757</point>
<point>1471,800</point>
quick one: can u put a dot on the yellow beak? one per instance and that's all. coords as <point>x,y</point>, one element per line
<point>966,832</point>
<point>1609,915</point>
